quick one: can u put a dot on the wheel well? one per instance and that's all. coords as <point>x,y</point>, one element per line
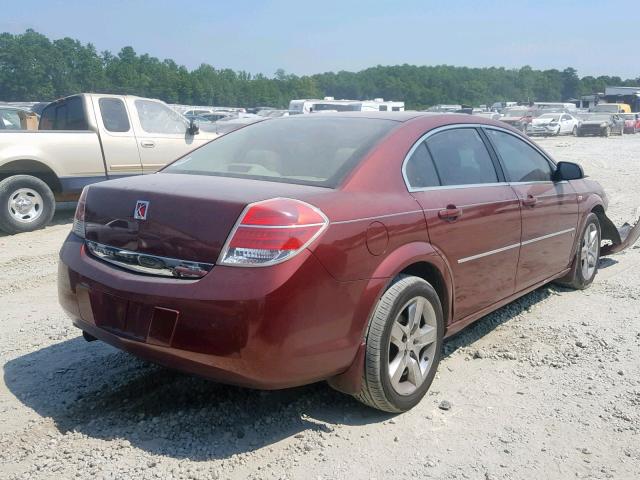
<point>431,274</point>
<point>33,168</point>
<point>607,228</point>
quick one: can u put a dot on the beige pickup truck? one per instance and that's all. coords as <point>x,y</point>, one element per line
<point>83,139</point>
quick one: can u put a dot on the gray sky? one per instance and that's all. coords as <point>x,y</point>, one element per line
<point>595,37</point>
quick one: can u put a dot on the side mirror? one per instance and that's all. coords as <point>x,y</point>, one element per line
<point>568,171</point>
<point>193,129</point>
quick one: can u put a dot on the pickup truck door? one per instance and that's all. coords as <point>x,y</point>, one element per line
<point>161,133</point>
<point>117,138</point>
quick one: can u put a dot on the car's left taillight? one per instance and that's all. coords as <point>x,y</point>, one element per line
<point>272,231</point>
<point>78,218</point>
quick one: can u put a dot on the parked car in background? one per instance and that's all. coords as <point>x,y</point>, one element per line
<point>553,124</point>
<point>83,139</point>
<point>600,124</point>
<point>489,115</point>
<point>341,247</point>
<point>15,118</point>
<point>631,122</point>
<point>518,118</point>
<point>611,108</point>
<point>273,113</point>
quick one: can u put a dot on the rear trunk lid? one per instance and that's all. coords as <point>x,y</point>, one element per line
<point>187,217</point>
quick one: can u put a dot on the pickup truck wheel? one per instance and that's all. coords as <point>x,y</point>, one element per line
<point>403,345</point>
<point>585,263</point>
<point>26,204</point>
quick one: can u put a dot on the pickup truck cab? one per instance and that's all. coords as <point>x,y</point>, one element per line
<point>84,139</point>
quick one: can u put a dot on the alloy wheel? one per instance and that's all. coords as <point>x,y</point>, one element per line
<point>589,251</point>
<point>412,345</point>
<point>25,205</point>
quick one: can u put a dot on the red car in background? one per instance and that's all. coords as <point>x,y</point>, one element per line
<point>631,122</point>
<point>341,247</point>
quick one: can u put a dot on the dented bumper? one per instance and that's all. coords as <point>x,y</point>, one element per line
<point>620,238</point>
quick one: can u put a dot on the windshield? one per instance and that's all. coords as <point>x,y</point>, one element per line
<point>9,120</point>
<point>309,150</point>
<point>597,118</point>
<point>547,116</point>
<point>516,113</point>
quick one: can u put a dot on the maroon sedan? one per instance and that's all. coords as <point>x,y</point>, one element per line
<point>341,247</point>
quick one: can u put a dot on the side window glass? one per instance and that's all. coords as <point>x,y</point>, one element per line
<point>76,119</point>
<point>114,115</point>
<point>67,115</point>
<point>522,162</point>
<point>461,157</point>
<point>158,118</point>
<point>419,170</point>
<point>47,118</point>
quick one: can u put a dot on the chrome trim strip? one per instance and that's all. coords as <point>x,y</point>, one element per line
<point>515,245</point>
<point>456,187</point>
<point>148,264</point>
<point>544,237</point>
<point>486,254</point>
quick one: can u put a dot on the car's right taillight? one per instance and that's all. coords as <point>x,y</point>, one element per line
<point>272,231</point>
<point>78,218</point>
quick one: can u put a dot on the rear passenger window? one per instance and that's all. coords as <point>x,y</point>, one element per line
<point>461,157</point>
<point>522,162</point>
<point>66,115</point>
<point>114,115</point>
<point>420,171</point>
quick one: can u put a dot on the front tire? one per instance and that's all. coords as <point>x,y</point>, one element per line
<point>403,346</point>
<point>585,263</point>
<point>574,132</point>
<point>606,132</point>
<point>26,204</point>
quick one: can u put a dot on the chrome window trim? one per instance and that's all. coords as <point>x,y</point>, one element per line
<point>515,245</point>
<point>134,261</point>
<point>424,137</point>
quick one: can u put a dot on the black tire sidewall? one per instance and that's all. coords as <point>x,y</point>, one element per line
<point>405,402</point>
<point>8,186</point>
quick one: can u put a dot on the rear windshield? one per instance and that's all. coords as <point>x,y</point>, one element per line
<point>309,150</point>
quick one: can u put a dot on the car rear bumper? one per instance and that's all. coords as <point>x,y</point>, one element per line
<point>268,328</point>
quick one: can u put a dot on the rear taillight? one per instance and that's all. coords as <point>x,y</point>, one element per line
<point>78,218</point>
<point>271,232</point>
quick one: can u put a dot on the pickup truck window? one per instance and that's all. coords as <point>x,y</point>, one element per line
<point>114,115</point>
<point>158,118</point>
<point>65,115</point>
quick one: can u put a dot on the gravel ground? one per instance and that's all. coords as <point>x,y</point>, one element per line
<point>545,388</point>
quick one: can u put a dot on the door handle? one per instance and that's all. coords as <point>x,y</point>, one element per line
<point>530,201</point>
<point>451,213</point>
<point>148,143</point>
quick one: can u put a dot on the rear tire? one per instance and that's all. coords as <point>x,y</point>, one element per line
<point>585,263</point>
<point>26,204</point>
<point>403,347</point>
<point>606,132</point>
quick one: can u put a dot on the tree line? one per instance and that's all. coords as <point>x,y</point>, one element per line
<point>35,68</point>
